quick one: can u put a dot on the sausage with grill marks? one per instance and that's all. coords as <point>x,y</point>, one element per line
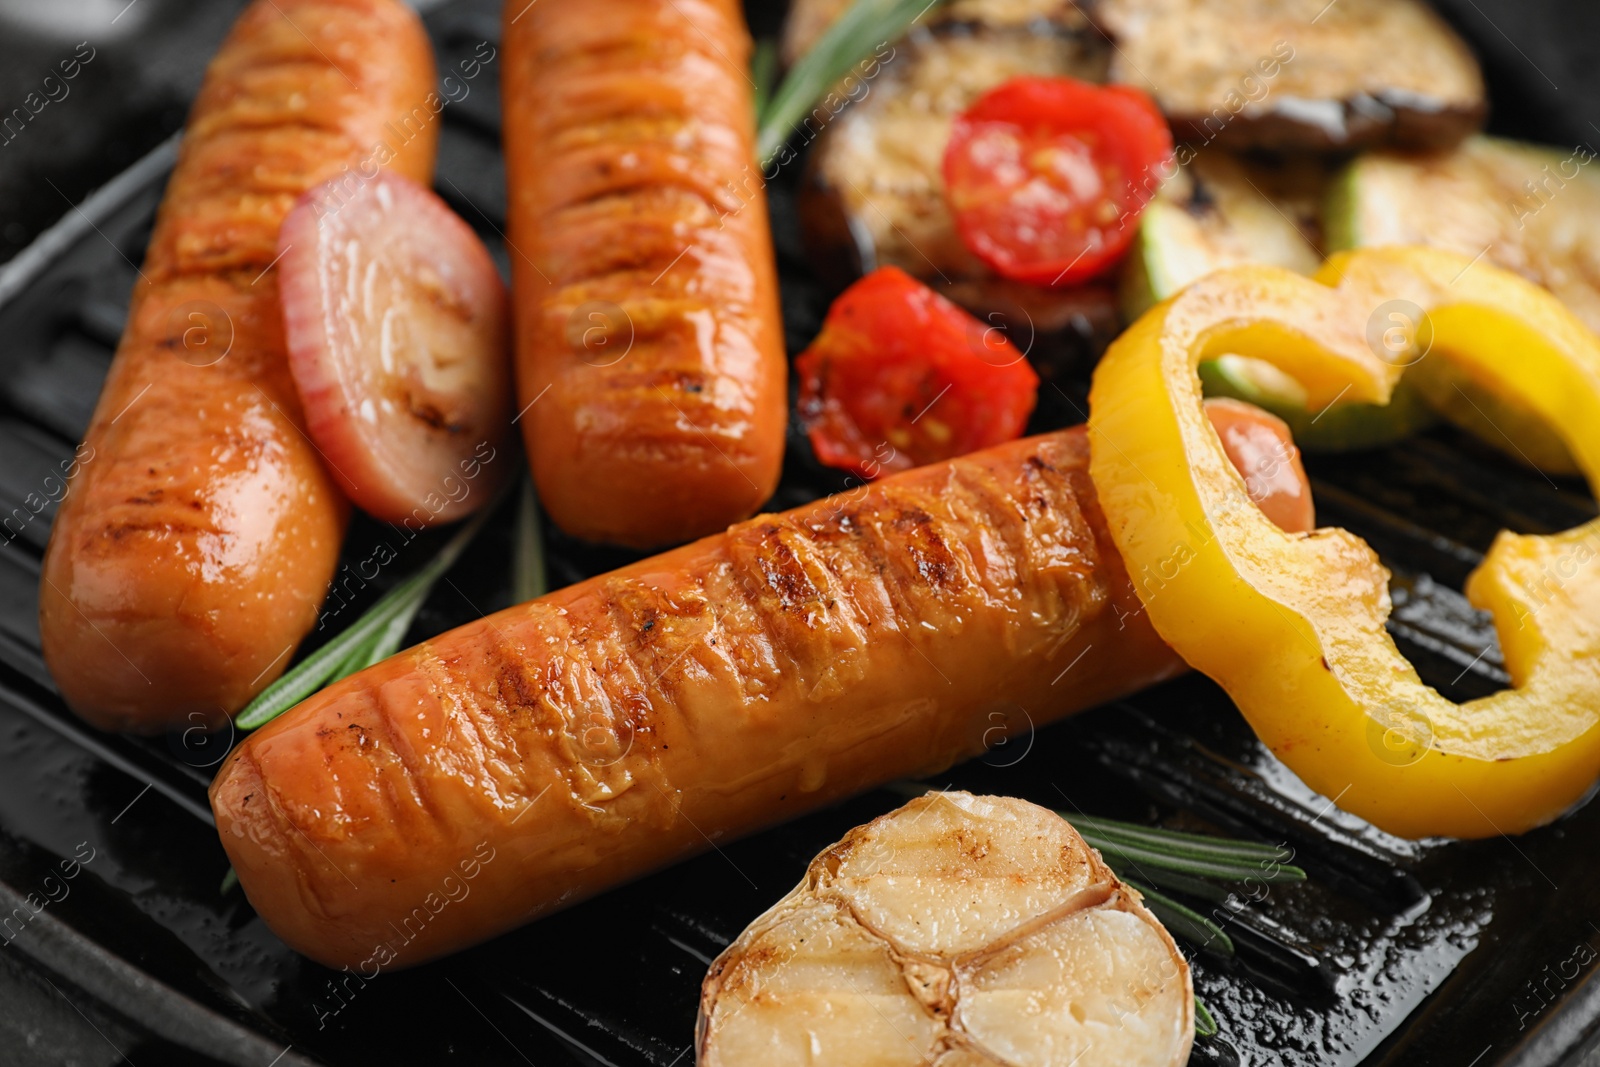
<point>650,352</point>
<point>200,530</point>
<point>553,750</point>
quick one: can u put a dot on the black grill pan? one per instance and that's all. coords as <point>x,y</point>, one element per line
<point>1476,954</point>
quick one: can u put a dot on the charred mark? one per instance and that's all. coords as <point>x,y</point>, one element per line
<point>934,561</point>
<point>782,569</point>
<point>516,688</point>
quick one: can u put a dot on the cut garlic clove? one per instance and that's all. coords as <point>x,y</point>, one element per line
<point>958,931</point>
<point>960,871</point>
<point>815,987</point>
<point>1101,987</point>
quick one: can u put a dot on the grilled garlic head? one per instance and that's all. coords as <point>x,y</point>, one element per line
<point>958,931</point>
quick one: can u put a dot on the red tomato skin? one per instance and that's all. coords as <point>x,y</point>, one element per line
<point>1055,112</point>
<point>900,377</point>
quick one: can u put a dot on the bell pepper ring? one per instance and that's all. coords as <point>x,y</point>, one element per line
<point>1292,625</point>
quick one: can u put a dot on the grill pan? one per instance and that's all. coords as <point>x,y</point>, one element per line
<point>1464,954</point>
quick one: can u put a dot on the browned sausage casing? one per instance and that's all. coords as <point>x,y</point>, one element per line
<point>201,530</point>
<point>552,750</point>
<point>649,347</point>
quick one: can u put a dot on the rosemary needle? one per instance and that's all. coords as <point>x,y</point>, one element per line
<point>1178,841</point>
<point>867,26</point>
<point>763,71</point>
<point>1175,859</point>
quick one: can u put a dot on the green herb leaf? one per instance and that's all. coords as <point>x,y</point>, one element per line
<point>1180,843</point>
<point>364,638</point>
<point>529,580</point>
<point>763,71</point>
<point>230,882</point>
<point>1144,858</point>
<point>867,26</point>
<point>1200,888</point>
<point>1205,1024</point>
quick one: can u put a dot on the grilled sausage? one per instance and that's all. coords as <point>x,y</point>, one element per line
<point>649,347</point>
<point>196,544</point>
<point>550,751</point>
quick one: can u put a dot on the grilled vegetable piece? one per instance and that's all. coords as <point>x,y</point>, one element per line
<point>1528,208</point>
<point>1046,177</point>
<point>562,747</point>
<point>899,377</point>
<point>958,930</point>
<point>1219,211</point>
<point>399,340</point>
<point>1284,74</point>
<point>1341,705</point>
<point>194,549</point>
<point>809,19</point>
<point>1342,426</point>
<point>1535,209</point>
<point>646,290</point>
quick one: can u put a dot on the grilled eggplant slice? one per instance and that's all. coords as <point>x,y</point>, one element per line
<point>1219,211</point>
<point>958,931</point>
<point>1285,74</point>
<point>1528,208</point>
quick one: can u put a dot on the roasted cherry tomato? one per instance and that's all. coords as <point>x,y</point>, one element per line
<point>900,376</point>
<point>398,336</point>
<point>1047,177</point>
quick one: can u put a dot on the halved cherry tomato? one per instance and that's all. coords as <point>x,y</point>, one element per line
<point>1047,177</point>
<point>900,376</point>
<point>396,323</point>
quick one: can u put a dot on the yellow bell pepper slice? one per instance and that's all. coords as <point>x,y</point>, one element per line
<point>1292,626</point>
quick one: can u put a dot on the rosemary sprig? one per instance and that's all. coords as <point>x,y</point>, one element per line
<point>866,26</point>
<point>1204,1024</point>
<point>1146,857</point>
<point>1179,843</point>
<point>764,71</point>
<point>1149,860</point>
<point>375,636</point>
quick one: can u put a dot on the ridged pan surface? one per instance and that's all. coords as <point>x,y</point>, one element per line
<point>1461,954</point>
